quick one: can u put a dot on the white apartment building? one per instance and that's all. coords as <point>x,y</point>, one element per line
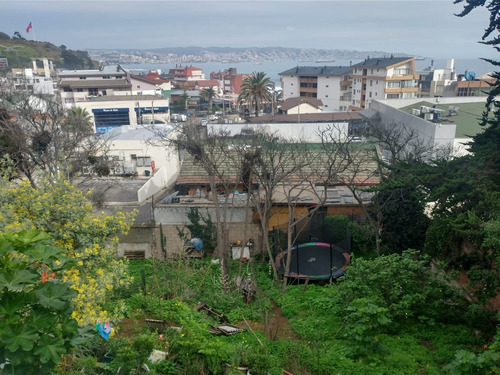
<point>383,78</point>
<point>330,84</point>
<point>77,86</point>
<point>37,80</point>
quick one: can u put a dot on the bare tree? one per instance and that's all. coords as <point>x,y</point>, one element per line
<point>47,138</point>
<point>216,155</point>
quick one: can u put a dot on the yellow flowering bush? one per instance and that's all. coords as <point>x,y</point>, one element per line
<point>64,212</point>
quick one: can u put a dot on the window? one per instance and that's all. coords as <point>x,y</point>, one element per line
<point>143,161</point>
<point>371,82</point>
<point>82,77</point>
<point>343,87</point>
<point>106,77</point>
<point>370,94</point>
<point>326,96</point>
<point>371,71</point>
<point>392,96</point>
<point>138,86</point>
<point>79,90</point>
<point>93,91</point>
<point>393,85</point>
<point>326,86</point>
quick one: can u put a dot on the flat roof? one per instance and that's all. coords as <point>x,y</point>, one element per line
<point>318,70</point>
<point>467,118</point>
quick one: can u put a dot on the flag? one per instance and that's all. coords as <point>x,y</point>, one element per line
<point>30,26</point>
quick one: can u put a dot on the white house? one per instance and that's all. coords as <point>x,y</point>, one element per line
<point>143,151</point>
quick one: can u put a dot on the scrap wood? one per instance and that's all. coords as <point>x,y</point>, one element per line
<point>227,329</point>
<point>157,324</point>
<point>203,307</point>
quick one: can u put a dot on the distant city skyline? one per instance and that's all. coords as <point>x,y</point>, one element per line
<point>415,27</point>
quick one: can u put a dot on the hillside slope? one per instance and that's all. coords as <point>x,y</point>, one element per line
<point>20,53</point>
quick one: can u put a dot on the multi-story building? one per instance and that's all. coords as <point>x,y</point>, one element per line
<point>181,74</point>
<point>438,82</point>
<point>330,84</point>
<point>383,78</point>
<point>468,85</point>
<point>229,80</point>
<point>110,112</point>
<point>40,81</point>
<point>77,86</point>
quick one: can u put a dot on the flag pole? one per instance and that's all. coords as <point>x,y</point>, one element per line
<point>32,28</point>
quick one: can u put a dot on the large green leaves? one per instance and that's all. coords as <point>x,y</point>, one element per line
<point>21,337</point>
<point>16,280</point>
<point>55,296</point>
<point>50,349</point>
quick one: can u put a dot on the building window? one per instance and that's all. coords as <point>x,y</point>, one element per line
<point>393,85</point>
<point>106,77</point>
<point>326,96</point>
<point>138,86</point>
<point>392,96</point>
<point>371,71</point>
<point>371,82</point>
<point>82,77</point>
<point>370,94</point>
<point>143,161</point>
<point>326,86</point>
<point>93,91</point>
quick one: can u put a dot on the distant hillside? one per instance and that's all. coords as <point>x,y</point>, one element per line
<point>20,53</point>
<point>275,53</point>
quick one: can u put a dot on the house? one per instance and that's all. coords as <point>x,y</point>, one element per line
<point>77,86</point>
<point>208,83</point>
<point>383,78</point>
<point>109,112</point>
<point>193,185</point>
<point>298,105</point>
<point>330,84</point>
<point>143,151</point>
<point>229,80</point>
<point>149,84</point>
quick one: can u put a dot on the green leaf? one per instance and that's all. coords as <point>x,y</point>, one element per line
<point>22,336</point>
<point>55,296</point>
<point>42,319</point>
<point>43,253</point>
<point>11,303</point>
<point>5,247</point>
<point>50,349</point>
<point>17,280</point>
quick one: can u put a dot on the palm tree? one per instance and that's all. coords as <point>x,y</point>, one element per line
<point>78,119</point>
<point>256,89</point>
<point>209,93</point>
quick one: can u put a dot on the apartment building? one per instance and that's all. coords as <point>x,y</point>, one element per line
<point>181,74</point>
<point>330,84</point>
<point>229,80</point>
<point>77,86</point>
<point>383,78</point>
<point>438,82</point>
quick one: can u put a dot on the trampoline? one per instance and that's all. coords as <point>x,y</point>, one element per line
<point>314,260</point>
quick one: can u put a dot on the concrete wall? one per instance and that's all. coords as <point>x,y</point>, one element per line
<point>305,132</point>
<point>432,134</point>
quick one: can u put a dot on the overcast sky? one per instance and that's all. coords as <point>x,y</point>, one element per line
<point>417,27</point>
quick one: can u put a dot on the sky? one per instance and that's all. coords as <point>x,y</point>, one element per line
<point>415,27</point>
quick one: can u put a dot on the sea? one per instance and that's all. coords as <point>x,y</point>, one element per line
<point>274,68</point>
